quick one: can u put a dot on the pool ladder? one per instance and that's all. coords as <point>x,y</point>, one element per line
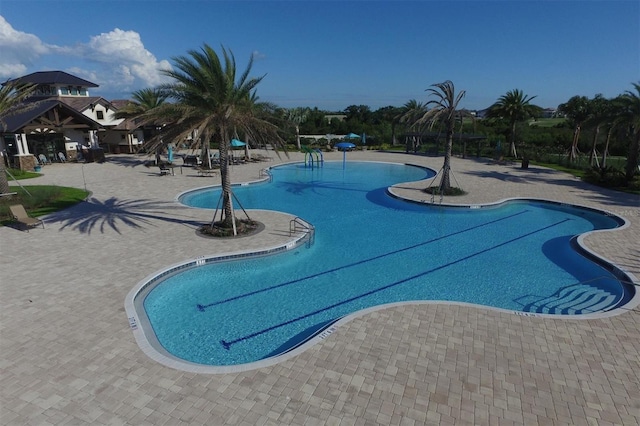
<point>298,224</point>
<point>266,173</point>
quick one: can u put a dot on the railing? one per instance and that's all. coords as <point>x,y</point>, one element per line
<point>298,224</point>
<point>266,173</point>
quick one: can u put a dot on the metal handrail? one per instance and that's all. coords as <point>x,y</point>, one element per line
<point>298,224</point>
<point>266,173</point>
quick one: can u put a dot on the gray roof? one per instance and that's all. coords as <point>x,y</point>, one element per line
<point>52,77</point>
<point>16,122</point>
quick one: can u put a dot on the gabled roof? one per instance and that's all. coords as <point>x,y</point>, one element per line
<point>81,103</point>
<point>120,103</point>
<point>16,122</point>
<point>52,77</point>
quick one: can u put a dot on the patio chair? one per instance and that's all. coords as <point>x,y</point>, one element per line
<point>20,215</point>
<point>62,157</point>
<point>43,159</point>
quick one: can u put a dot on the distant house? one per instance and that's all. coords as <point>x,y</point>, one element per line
<point>549,113</point>
<point>64,122</point>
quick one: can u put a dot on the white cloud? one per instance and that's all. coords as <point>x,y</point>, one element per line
<point>117,60</point>
<point>257,56</point>
<point>19,50</point>
<point>128,60</point>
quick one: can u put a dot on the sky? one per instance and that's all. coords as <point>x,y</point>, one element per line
<point>333,54</point>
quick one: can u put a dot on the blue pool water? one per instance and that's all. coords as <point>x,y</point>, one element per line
<point>372,249</point>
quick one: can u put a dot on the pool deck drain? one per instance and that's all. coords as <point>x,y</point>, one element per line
<point>69,357</point>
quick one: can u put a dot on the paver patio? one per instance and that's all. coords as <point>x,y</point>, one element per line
<point>67,355</point>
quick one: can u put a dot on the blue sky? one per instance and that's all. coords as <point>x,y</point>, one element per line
<point>332,54</point>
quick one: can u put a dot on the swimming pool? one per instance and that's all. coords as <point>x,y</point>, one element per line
<point>372,249</point>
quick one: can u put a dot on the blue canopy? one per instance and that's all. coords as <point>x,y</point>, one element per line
<point>352,136</point>
<point>343,146</point>
<point>237,143</point>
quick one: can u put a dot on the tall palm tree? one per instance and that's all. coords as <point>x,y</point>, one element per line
<point>12,102</point>
<point>444,110</point>
<point>611,120</point>
<point>216,103</point>
<point>297,116</point>
<point>514,107</point>
<point>629,112</point>
<point>599,114</point>
<point>576,110</point>
<point>409,115</point>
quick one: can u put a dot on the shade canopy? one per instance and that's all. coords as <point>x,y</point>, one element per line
<point>352,136</point>
<point>237,143</point>
<point>343,146</point>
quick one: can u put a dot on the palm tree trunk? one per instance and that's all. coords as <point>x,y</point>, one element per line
<point>445,183</point>
<point>573,153</point>
<point>513,140</point>
<point>592,156</point>
<point>227,205</point>
<point>605,152</point>
<point>298,137</point>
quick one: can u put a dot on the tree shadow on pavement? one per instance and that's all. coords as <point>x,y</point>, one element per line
<point>115,214</point>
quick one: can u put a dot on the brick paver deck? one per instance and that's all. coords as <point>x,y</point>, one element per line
<point>67,355</point>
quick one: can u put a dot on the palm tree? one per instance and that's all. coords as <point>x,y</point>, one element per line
<point>410,114</point>
<point>143,100</point>
<point>611,120</point>
<point>297,116</point>
<point>629,112</point>
<point>12,97</point>
<point>514,107</point>
<point>445,110</point>
<point>575,109</point>
<point>599,114</point>
<point>215,103</point>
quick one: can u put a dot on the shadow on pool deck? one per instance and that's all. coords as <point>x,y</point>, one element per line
<point>114,213</point>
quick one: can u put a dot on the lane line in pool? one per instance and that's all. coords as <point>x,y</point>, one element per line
<point>203,308</point>
<point>228,343</point>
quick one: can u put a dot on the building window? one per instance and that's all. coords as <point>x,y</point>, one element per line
<point>100,115</point>
<point>73,90</point>
<point>82,91</point>
<point>64,90</point>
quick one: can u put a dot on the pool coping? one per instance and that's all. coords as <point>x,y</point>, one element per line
<point>148,343</point>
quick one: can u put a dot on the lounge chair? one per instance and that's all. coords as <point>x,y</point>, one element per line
<point>20,215</point>
<point>62,157</point>
<point>166,169</point>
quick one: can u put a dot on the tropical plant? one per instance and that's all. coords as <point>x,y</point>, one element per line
<point>143,100</point>
<point>576,110</point>
<point>215,103</point>
<point>12,97</point>
<point>514,107</point>
<point>410,115</point>
<point>628,106</point>
<point>600,112</point>
<point>297,116</point>
<point>445,111</point>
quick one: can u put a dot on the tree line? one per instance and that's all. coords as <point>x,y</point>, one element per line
<point>209,102</point>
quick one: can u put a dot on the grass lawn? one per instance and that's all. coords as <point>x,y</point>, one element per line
<point>44,199</point>
<point>547,122</point>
